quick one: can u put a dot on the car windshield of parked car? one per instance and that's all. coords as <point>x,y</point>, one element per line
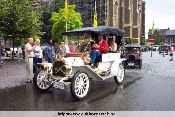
<point>132,50</point>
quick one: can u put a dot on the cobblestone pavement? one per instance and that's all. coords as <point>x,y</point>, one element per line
<point>156,65</point>
<point>12,73</point>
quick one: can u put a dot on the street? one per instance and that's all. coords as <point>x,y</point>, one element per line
<point>148,89</point>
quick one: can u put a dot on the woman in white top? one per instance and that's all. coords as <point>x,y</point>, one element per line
<point>112,45</point>
<point>38,52</point>
<point>66,45</point>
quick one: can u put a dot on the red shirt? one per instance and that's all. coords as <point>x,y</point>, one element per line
<point>103,46</point>
<point>171,49</point>
<point>72,49</point>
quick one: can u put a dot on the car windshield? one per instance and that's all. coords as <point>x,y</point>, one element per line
<point>79,44</point>
<point>132,50</point>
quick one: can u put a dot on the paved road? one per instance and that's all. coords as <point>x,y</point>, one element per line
<point>12,73</point>
<point>149,89</point>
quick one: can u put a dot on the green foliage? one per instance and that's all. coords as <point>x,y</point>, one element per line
<point>18,20</point>
<point>128,40</point>
<point>46,27</point>
<point>74,21</point>
<point>143,41</point>
<point>158,38</point>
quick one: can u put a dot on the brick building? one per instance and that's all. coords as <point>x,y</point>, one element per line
<point>167,36</point>
<point>125,14</point>
<point>38,4</point>
<point>170,37</point>
<point>86,9</point>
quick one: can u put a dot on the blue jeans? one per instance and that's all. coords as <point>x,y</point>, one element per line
<point>94,54</point>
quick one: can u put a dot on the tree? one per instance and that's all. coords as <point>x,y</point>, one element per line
<point>58,4</point>
<point>159,38</point>
<point>18,20</point>
<point>47,24</point>
<point>128,40</point>
<point>143,41</point>
<point>74,21</point>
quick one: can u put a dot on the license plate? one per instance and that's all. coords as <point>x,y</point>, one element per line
<point>131,64</point>
<point>58,85</point>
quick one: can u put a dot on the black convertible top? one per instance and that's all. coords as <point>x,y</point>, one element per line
<point>132,46</point>
<point>105,30</point>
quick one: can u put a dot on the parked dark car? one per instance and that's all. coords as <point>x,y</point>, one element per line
<point>133,55</point>
<point>164,49</point>
<point>144,48</point>
<point>8,52</point>
<point>155,48</point>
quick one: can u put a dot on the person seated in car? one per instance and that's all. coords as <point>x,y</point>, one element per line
<point>112,45</point>
<point>100,46</point>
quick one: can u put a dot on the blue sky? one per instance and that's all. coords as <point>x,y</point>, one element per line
<point>162,12</point>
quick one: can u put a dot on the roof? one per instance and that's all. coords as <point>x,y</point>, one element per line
<point>99,30</point>
<point>170,32</point>
<point>159,31</point>
<point>132,46</point>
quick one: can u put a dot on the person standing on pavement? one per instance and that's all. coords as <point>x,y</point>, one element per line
<point>38,52</point>
<point>50,52</point>
<point>171,53</point>
<point>29,54</point>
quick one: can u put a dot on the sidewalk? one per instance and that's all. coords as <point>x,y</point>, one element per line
<point>12,73</point>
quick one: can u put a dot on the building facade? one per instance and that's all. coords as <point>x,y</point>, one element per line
<point>166,36</point>
<point>128,15</point>
<point>86,9</point>
<point>38,4</point>
<point>170,37</point>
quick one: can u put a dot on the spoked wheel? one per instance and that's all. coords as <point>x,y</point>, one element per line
<point>42,81</point>
<point>80,85</point>
<point>120,75</point>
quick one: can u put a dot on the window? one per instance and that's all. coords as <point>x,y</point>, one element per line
<point>166,39</point>
<point>171,39</point>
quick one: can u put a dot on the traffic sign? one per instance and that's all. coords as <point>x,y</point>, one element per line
<point>152,40</point>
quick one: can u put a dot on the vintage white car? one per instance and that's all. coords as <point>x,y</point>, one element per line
<point>73,69</point>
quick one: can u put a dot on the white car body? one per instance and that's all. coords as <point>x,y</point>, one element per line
<point>110,61</point>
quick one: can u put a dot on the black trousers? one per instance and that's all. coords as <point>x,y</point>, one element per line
<point>35,63</point>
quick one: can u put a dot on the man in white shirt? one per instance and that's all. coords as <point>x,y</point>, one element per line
<point>29,54</point>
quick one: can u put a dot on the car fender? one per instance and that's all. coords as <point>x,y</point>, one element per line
<point>115,66</point>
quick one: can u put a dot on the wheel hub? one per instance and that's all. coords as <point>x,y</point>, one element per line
<point>81,84</point>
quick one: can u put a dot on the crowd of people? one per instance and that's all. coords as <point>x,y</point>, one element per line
<point>34,54</point>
